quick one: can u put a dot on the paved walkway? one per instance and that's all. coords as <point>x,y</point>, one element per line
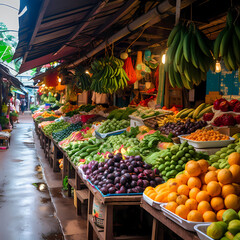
<point>26,209</point>
<point>32,206</point>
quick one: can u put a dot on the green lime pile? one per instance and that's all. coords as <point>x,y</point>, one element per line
<point>220,158</point>
<point>173,160</point>
<point>113,125</point>
<point>229,228</point>
<point>55,126</point>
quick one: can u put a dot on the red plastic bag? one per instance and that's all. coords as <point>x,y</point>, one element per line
<point>128,67</point>
<point>84,118</point>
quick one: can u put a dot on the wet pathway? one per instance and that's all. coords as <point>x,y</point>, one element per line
<point>26,210</point>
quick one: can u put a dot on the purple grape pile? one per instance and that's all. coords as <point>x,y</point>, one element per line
<point>116,175</point>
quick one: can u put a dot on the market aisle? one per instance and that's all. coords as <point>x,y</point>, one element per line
<point>26,210</point>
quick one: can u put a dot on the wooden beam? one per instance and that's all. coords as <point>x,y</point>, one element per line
<point>39,20</point>
<point>151,36</point>
<point>63,19</point>
<point>110,21</point>
<point>90,17</point>
<point>62,15</point>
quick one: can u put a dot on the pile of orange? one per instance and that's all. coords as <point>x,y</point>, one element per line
<point>206,135</point>
<point>200,194</point>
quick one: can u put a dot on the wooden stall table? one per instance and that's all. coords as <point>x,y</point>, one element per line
<point>71,173</point>
<point>47,146</point>
<point>161,223</point>
<point>42,139</point>
<point>36,128</point>
<point>110,202</point>
<point>65,163</point>
<point>56,152</point>
<point>74,181</point>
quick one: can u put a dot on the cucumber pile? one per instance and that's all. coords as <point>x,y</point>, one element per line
<point>60,135</point>
<point>83,149</point>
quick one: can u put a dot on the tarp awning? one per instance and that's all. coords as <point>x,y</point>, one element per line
<point>51,30</point>
<point>57,29</point>
<point>4,72</point>
<point>19,92</point>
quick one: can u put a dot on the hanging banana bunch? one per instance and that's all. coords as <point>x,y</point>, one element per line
<point>227,43</point>
<point>82,79</point>
<point>108,75</point>
<point>189,56</point>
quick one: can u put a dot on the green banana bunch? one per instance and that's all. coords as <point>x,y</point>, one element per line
<point>227,43</point>
<point>108,75</point>
<point>83,80</point>
<point>189,56</point>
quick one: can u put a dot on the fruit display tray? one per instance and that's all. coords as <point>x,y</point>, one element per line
<point>137,121</point>
<point>161,111</point>
<point>104,135</point>
<point>207,144</point>
<point>188,225</point>
<point>201,230</point>
<point>154,204</point>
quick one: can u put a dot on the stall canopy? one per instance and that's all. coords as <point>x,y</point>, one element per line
<point>19,92</point>
<point>71,30</point>
<point>4,72</point>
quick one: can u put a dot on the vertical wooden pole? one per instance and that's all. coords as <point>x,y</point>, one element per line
<point>0,95</point>
<point>108,222</point>
<point>89,226</point>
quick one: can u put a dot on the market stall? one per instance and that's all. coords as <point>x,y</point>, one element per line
<point>130,127</point>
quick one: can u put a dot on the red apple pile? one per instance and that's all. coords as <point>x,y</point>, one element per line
<point>225,106</point>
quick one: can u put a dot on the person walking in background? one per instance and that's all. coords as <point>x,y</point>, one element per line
<point>23,105</point>
<point>17,106</point>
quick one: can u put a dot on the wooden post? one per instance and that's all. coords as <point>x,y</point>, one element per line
<point>55,159</point>
<point>89,226</point>
<point>108,222</point>
<point>65,167</point>
<point>155,229</point>
<point>0,95</point>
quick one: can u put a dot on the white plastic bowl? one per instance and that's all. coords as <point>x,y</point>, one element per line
<point>207,144</point>
<point>201,230</point>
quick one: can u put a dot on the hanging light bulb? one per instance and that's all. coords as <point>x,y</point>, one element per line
<point>164,58</point>
<point>59,80</point>
<point>218,67</point>
<point>87,72</point>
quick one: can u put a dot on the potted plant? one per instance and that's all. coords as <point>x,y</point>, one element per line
<point>3,122</point>
<point>14,116</point>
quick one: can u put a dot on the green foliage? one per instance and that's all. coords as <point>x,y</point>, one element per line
<point>7,44</point>
<point>3,121</point>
